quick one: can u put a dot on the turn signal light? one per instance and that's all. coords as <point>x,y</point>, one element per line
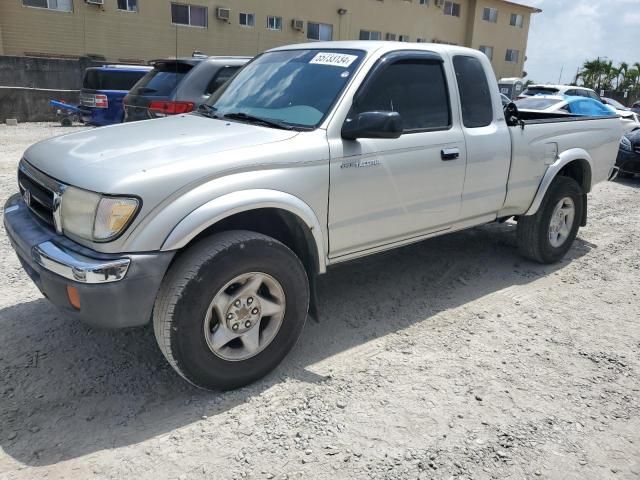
<point>171,108</point>
<point>74,296</point>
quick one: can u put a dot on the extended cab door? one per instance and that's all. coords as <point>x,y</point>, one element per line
<point>384,191</point>
<point>487,139</point>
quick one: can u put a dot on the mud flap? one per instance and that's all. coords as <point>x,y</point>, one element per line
<point>583,220</point>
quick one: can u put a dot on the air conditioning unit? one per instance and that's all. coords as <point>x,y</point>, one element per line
<point>297,24</point>
<point>223,14</point>
<point>439,3</point>
<point>95,2</point>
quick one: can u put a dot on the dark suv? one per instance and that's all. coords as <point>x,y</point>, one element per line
<point>178,86</point>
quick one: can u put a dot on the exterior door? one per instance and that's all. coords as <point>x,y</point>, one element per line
<point>384,191</point>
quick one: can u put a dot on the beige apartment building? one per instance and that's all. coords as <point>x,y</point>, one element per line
<point>142,30</point>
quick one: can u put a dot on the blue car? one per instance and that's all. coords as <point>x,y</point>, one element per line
<point>103,89</point>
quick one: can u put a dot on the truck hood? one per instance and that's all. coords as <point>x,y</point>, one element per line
<point>107,159</point>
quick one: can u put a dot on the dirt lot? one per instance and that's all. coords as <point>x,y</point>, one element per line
<point>453,358</point>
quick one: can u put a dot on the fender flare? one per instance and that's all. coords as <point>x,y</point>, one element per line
<point>241,201</point>
<point>566,157</point>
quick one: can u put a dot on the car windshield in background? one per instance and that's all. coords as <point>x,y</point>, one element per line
<point>97,79</point>
<point>615,104</point>
<point>294,87</point>
<point>535,103</point>
<point>540,91</point>
<point>162,80</point>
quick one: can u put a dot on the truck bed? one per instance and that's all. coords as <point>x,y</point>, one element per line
<point>542,138</point>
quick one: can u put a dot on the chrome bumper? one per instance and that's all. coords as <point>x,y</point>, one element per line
<point>76,267</point>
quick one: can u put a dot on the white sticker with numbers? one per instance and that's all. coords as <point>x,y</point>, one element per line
<point>335,59</point>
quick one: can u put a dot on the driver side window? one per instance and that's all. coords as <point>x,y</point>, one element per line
<point>416,89</point>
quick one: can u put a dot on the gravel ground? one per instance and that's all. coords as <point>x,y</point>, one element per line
<point>453,358</point>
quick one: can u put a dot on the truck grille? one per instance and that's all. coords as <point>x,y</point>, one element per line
<point>39,193</point>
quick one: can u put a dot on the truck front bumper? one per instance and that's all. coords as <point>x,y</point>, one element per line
<point>114,291</point>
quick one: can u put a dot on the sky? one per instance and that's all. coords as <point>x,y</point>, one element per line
<point>569,32</point>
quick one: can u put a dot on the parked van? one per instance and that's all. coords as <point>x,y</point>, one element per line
<point>103,89</point>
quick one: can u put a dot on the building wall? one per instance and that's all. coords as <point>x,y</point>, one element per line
<point>148,34</point>
<point>502,36</point>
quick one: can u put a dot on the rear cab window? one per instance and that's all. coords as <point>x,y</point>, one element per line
<point>103,79</point>
<point>162,80</point>
<point>475,94</point>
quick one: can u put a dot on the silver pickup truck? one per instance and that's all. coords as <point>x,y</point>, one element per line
<point>215,225</point>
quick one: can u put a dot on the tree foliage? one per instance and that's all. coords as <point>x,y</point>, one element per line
<point>604,75</point>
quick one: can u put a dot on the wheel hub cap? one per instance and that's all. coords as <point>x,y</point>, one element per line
<point>561,222</point>
<point>244,316</point>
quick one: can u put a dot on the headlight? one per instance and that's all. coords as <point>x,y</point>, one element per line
<point>95,217</point>
<point>625,144</point>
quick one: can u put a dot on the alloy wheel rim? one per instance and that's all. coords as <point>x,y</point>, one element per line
<point>561,223</point>
<point>244,316</point>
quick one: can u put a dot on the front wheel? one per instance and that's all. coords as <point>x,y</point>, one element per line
<point>547,236</point>
<point>230,309</point>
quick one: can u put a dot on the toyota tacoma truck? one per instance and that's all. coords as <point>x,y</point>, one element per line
<point>214,225</point>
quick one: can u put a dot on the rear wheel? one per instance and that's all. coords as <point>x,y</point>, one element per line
<point>547,236</point>
<point>230,309</point>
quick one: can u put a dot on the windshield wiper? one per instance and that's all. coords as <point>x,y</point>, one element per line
<point>262,121</point>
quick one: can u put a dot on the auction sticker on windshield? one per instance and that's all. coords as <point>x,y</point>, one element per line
<point>336,59</point>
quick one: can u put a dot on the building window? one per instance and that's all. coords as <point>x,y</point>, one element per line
<point>488,51</point>
<point>391,37</point>
<point>517,20</point>
<point>490,15</point>
<point>452,9</point>
<point>274,23</point>
<point>404,38</point>
<point>424,2</point>
<point>368,35</point>
<point>128,5</point>
<point>192,15</point>
<point>247,19</point>
<point>512,56</point>
<point>59,5</point>
<point>421,40</point>
<point>319,31</point>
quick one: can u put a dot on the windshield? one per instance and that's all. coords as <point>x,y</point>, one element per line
<point>615,104</point>
<point>537,103</point>
<point>295,87</point>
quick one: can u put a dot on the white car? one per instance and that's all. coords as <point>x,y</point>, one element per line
<point>584,106</point>
<point>630,119</point>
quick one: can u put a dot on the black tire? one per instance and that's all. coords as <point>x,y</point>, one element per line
<point>533,230</point>
<point>66,122</point>
<point>189,287</point>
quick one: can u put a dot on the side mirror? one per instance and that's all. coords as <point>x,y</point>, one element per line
<point>373,125</point>
<point>511,114</point>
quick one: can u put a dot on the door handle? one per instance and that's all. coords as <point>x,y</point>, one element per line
<point>449,154</point>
